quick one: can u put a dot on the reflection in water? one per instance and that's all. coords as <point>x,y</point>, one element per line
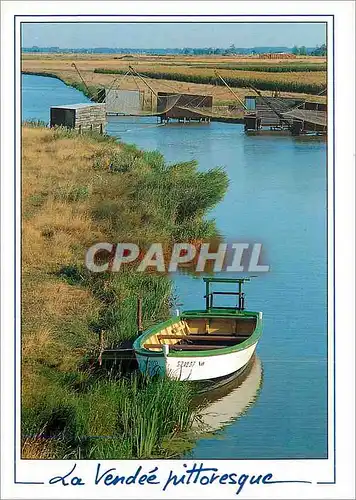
<point>224,405</point>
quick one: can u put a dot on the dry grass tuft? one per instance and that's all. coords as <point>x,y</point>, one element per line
<point>38,449</point>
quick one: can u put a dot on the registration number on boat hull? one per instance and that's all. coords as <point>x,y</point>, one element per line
<point>186,364</point>
<point>196,368</point>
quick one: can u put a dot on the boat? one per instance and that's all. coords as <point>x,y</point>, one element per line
<point>212,345</point>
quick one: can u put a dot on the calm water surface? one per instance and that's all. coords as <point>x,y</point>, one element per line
<point>277,196</point>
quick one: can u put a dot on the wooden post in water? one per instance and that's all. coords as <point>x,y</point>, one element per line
<point>139,315</point>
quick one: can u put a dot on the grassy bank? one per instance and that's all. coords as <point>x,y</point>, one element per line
<point>77,191</point>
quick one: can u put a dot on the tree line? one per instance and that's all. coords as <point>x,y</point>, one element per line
<point>304,51</point>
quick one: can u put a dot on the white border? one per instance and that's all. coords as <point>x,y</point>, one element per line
<point>313,470</point>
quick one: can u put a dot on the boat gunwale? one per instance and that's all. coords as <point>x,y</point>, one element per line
<point>155,329</point>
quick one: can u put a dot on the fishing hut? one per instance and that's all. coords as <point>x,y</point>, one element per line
<point>284,114</point>
<point>81,117</point>
<point>309,117</point>
<point>184,107</point>
<point>124,102</point>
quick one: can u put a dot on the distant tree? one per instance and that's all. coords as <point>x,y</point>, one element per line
<point>320,51</point>
<point>303,51</point>
<point>295,50</point>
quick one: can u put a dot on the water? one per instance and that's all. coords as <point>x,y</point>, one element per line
<point>277,197</point>
<point>40,92</point>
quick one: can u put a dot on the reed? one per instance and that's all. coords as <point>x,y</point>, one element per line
<point>126,418</point>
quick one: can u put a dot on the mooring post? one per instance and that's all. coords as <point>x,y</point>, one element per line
<point>139,315</point>
<point>101,344</point>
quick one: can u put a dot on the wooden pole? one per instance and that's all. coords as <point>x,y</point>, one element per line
<point>142,79</point>
<point>82,79</point>
<point>234,93</point>
<point>101,343</point>
<point>139,315</point>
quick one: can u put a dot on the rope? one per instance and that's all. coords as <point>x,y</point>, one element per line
<point>162,83</point>
<point>301,104</point>
<point>115,79</point>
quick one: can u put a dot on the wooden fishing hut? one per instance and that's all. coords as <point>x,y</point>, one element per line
<point>284,114</point>
<point>184,107</point>
<point>81,117</point>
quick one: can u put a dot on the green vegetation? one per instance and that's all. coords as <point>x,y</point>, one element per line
<point>297,85</point>
<point>131,52</point>
<point>290,67</point>
<point>78,190</point>
<point>319,51</point>
<point>87,417</point>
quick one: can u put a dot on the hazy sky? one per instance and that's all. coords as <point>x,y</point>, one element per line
<point>163,35</point>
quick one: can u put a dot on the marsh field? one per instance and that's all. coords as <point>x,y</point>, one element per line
<point>303,76</point>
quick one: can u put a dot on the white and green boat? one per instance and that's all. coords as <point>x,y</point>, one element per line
<point>213,344</point>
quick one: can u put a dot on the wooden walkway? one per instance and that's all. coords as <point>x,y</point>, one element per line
<point>309,116</point>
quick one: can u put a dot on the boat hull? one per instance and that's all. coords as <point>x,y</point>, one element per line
<point>195,367</point>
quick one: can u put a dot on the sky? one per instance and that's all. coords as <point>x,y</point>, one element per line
<point>164,35</point>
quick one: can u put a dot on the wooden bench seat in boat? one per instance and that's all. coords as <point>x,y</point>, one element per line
<point>221,326</point>
<point>208,336</point>
<point>203,331</point>
<point>184,347</point>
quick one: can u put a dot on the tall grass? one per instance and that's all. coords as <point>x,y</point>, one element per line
<point>117,294</point>
<point>35,123</point>
<point>125,418</point>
